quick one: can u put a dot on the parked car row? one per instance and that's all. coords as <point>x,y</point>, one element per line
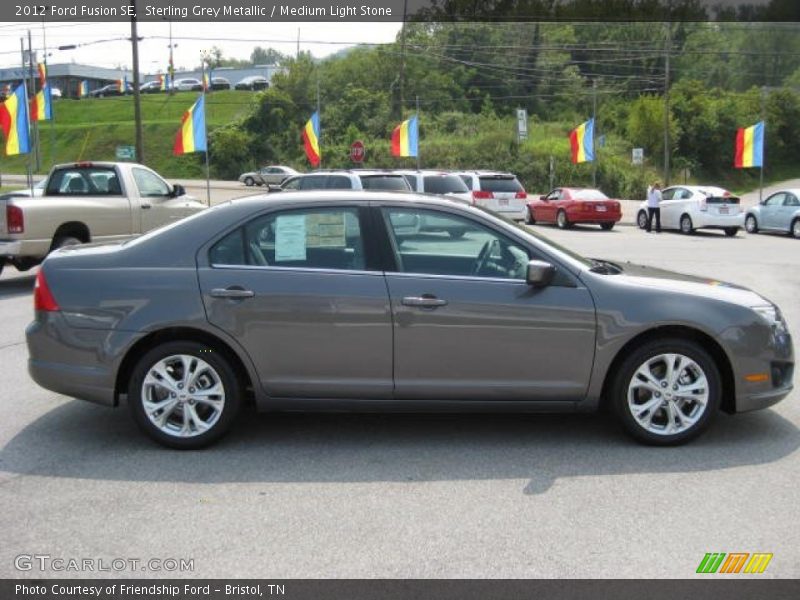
<point>184,84</point>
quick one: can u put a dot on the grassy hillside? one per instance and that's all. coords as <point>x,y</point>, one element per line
<point>91,129</point>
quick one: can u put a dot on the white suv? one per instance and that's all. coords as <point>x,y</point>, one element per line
<point>690,207</point>
<point>500,192</point>
<point>355,179</point>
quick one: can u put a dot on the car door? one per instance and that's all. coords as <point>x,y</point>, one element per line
<point>790,206</point>
<point>549,207</point>
<point>157,203</point>
<point>297,290</point>
<point>770,211</point>
<point>468,327</point>
<point>671,203</point>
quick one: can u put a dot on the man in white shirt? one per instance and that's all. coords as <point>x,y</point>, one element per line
<point>653,206</point>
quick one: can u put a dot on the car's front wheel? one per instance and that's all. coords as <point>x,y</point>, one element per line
<point>249,181</point>
<point>666,392</point>
<point>750,224</point>
<point>184,395</point>
<point>641,219</point>
<point>796,228</point>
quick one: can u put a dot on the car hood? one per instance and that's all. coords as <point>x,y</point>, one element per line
<point>669,281</point>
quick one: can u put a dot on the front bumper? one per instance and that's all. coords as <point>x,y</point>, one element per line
<point>777,363</point>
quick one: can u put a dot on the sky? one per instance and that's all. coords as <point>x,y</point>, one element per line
<point>106,45</point>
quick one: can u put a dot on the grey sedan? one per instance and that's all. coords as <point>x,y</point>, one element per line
<point>779,213</point>
<point>313,301</point>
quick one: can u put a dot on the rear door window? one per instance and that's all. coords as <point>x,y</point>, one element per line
<point>339,182</point>
<point>384,182</point>
<point>313,182</point>
<point>501,184</point>
<point>84,181</point>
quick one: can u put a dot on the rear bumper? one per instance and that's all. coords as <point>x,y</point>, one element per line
<point>34,248</point>
<point>591,216</point>
<point>701,220</point>
<point>77,362</point>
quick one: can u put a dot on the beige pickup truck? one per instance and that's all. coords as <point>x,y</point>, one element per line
<point>87,202</point>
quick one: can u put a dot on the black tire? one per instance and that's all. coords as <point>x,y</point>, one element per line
<point>249,181</point>
<point>456,234</point>
<point>2,264</point>
<point>686,225</point>
<point>731,231</point>
<point>794,229</point>
<point>641,219</point>
<point>751,224</point>
<point>561,220</point>
<point>529,218</point>
<point>230,383</point>
<point>607,226</point>
<point>624,377</point>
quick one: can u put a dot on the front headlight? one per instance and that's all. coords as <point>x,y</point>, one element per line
<point>772,315</point>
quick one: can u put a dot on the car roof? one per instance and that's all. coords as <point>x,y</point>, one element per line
<point>795,191</point>
<point>358,196</point>
<point>703,189</point>
<point>486,173</point>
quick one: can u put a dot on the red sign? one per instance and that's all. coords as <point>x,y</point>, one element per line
<point>357,151</point>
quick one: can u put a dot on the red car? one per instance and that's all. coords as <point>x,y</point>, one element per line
<point>567,206</point>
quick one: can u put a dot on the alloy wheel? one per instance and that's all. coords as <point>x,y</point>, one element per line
<point>182,396</point>
<point>668,394</point>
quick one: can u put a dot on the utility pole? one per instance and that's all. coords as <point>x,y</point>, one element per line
<point>137,107</point>
<point>594,133</point>
<point>171,66</point>
<point>297,54</point>
<point>32,94</point>
<point>403,57</point>
<point>205,124</point>
<point>666,103</point>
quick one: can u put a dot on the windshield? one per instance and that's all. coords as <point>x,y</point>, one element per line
<point>445,184</point>
<point>542,238</point>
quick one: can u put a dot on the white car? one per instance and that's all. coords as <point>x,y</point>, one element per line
<point>439,183</point>
<point>690,207</point>
<point>497,191</point>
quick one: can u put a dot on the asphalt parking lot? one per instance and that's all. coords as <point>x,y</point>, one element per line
<point>410,496</point>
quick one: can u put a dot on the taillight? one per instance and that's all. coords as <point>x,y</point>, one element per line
<point>521,195</point>
<point>42,296</point>
<point>15,221</point>
<point>481,195</point>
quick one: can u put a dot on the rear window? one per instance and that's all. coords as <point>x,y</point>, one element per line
<point>500,184</point>
<point>722,200</point>
<point>589,195</point>
<point>84,181</point>
<point>445,184</point>
<point>384,182</point>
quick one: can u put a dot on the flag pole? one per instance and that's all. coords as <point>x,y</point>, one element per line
<point>319,139</point>
<point>594,133</point>
<point>763,144</point>
<point>205,128</point>
<point>35,123</point>
<point>418,160</point>
<point>27,108</point>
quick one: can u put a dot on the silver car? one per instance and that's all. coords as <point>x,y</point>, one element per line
<point>271,175</point>
<point>778,213</point>
<point>275,301</point>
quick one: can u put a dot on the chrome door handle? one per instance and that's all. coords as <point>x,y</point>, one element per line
<point>424,301</point>
<point>231,293</point>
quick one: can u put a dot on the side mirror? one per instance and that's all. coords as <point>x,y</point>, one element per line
<point>539,274</point>
<point>178,190</point>
<point>272,187</point>
<point>543,198</point>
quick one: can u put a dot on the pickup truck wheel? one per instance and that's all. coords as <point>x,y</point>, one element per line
<point>249,181</point>
<point>65,240</point>
<point>184,395</point>
<point>667,391</point>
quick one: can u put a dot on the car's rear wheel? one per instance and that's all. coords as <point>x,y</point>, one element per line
<point>731,231</point>
<point>687,226</point>
<point>561,220</point>
<point>184,395</point>
<point>796,228</point>
<point>666,392</point>
<point>249,181</point>
<point>750,224</point>
<point>607,226</point>
<point>529,218</point>
<point>641,219</point>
